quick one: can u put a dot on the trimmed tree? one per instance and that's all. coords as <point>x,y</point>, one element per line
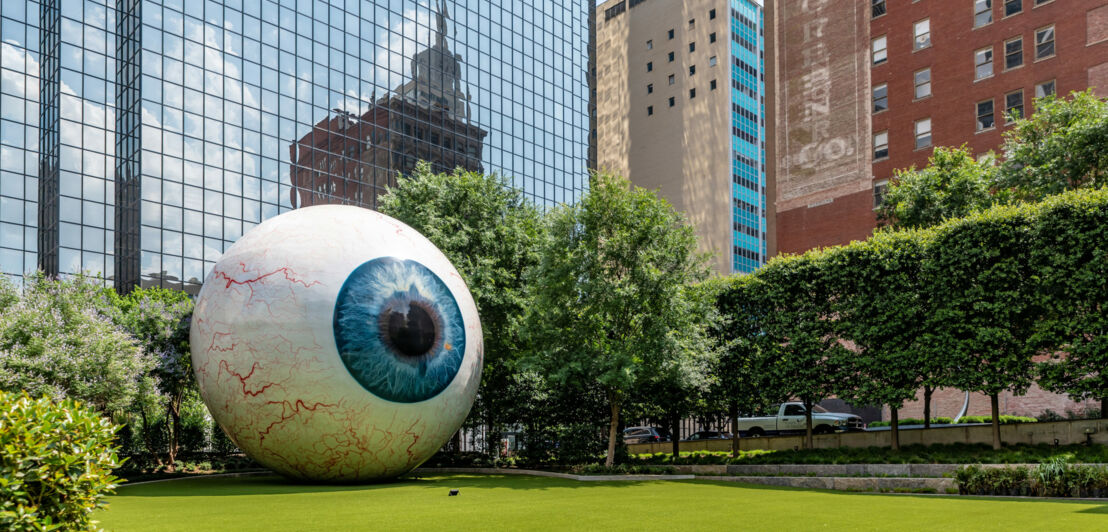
<point>743,376</point>
<point>611,307</point>
<point>491,234</point>
<point>882,308</point>
<point>1071,257</point>
<point>985,303</point>
<point>799,329</point>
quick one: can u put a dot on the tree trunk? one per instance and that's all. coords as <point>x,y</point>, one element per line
<point>1104,408</point>
<point>734,431</point>
<point>808,442</point>
<point>894,424</point>
<point>995,400</point>
<point>613,428</point>
<point>675,435</point>
<point>927,391</point>
<point>175,427</point>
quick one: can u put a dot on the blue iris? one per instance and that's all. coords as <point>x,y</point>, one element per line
<point>399,330</point>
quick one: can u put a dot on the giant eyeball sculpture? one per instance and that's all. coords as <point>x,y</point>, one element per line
<point>333,343</point>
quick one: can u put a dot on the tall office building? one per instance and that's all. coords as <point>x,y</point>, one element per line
<point>139,139</point>
<point>874,87</point>
<point>681,108</point>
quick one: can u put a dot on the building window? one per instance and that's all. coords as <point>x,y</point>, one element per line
<point>1044,89</point>
<point>692,69</point>
<point>672,79</point>
<point>650,66</point>
<point>670,33</point>
<point>650,88</point>
<point>1041,2</point>
<point>880,50</point>
<point>881,145</point>
<point>650,44</point>
<point>879,190</point>
<point>692,93</point>
<point>982,12</point>
<point>692,47</point>
<point>712,61</point>
<point>1044,43</point>
<point>712,37</point>
<point>985,118</point>
<point>692,23</point>
<point>649,110</point>
<point>922,80</point>
<point>878,8</point>
<point>983,60</point>
<point>672,102</point>
<point>712,84</point>
<point>670,56</point>
<point>880,98</point>
<point>923,133</point>
<point>1013,106</point>
<point>1012,7</point>
<point>712,14</point>
<point>1013,53</point>
<point>923,34</point>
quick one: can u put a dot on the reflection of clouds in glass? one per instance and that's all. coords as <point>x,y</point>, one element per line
<point>17,62</point>
<point>396,46</point>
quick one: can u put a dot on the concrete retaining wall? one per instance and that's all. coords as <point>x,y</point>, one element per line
<point>834,470</point>
<point>1066,432</point>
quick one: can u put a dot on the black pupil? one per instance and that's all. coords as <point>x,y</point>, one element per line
<point>413,334</point>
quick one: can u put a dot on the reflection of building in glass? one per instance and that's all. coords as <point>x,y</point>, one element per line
<point>350,159</point>
<point>139,139</point>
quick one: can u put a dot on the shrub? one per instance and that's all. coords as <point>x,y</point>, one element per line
<point>56,462</point>
<point>622,469</point>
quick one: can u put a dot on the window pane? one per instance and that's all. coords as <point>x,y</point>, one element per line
<point>923,83</point>
<point>1044,89</point>
<point>985,115</point>
<point>1011,7</point>
<point>1013,53</point>
<point>984,62</point>
<point>923,34</point>
<point>983,12</point>
<point>1044,43</point>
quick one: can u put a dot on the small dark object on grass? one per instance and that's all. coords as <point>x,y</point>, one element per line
<point>453,492</point>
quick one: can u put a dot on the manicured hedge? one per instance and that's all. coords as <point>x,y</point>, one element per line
<point>1004,420</point>
<point>959,453</point>
<point>56,462</point>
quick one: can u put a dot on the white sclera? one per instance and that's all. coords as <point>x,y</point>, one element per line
<point>263,349</point>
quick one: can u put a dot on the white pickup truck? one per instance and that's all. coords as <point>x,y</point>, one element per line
<point>788,418</point>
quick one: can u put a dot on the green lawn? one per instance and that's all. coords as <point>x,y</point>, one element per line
<point>519,502</point>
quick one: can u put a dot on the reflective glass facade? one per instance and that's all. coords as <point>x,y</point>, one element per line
<point>748,133</point>
<point>141,138</point>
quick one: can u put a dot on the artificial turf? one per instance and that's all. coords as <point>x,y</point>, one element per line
<point>537,503</point>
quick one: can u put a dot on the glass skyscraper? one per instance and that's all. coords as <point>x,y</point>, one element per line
<point>139,139</point>
<point>748,135</point>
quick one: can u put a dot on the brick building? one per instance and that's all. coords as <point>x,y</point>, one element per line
<point>862,91</point>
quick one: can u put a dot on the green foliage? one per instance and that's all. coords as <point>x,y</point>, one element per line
<point>743,376</point>
<point>56,461</point>
<point>491,234</point>
<point>952,185</point>
<point>1070,258</point>
<point>623,469</point>
<point>1062,146</point>
<point>58,340</point>
<point>955,453</point>
<point>985,303</point>
<point>160,319</point>
<point>1056,476</point>
<point>882,304</point>
<point>794,295</point>
<point>1004,420</point>
<point>612,309</point>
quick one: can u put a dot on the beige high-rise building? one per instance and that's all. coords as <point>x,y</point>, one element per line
<point>681,108</point>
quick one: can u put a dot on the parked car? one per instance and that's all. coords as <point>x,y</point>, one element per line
<point>788,418</point>
<point>708,435</point>
<point>645,435</point>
